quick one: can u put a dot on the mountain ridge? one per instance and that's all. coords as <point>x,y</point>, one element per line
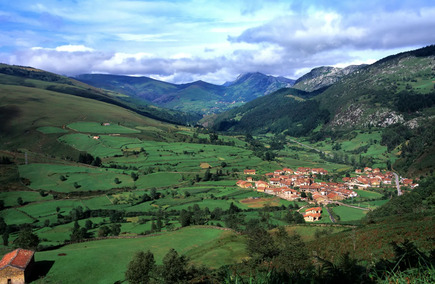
<point>199,96</point>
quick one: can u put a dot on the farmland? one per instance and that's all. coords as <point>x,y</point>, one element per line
<point>134,183</point>
<point>95,259</point>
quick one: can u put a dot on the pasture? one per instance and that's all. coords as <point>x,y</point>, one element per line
<point>101,128</point>
<point>348,213</point>
<point>96,259</point>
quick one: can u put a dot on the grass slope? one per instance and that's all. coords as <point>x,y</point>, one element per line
<point>105,261</point>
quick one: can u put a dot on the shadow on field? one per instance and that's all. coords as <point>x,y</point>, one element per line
<point>40,269</point>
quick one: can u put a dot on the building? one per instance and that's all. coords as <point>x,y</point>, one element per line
<point>15,267</point>
<point>249,172</point>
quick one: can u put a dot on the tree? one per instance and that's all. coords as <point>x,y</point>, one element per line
<point>88,224</point>
<point>141,268</point>
<point>20,201</point>
<point>174,268</point>
<point>103,231</point>
<point>78,233</point>
<point>115,229</point>
<point>97,162</point>
<point>154,194</point>
<point>185,218</point>
<point>26,239</point>
<point>134,176</point>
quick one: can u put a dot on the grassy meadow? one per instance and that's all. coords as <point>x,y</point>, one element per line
<point>95,259</point>
<point>150,173</point>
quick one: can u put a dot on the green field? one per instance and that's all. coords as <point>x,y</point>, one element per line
<point>348,213</point>
<point>99,128</point>
<point>95,260</point>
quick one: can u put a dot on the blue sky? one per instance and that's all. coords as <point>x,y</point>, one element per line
<point>215,41</point>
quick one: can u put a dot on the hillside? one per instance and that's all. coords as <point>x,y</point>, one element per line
<point>325,76</point>
<point>46,81</point>
<point>287,110</point>
<point>395,89</point>
<point>199,97</point>
<point>395,92</point>
<point>36,99</point>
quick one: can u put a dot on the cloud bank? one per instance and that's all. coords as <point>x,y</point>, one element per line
<point>183,41</point>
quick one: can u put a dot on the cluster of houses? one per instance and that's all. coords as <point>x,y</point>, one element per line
<point>294,184</point>
<point>369,177</point>
<point>289,184</point>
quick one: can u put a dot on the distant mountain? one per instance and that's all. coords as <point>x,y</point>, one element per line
<point>324,76</point>
<point>250,86</point>
<point>200,97</point>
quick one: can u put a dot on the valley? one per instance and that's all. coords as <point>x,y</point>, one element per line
<point>286,185</point>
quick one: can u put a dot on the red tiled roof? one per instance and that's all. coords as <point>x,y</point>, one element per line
<point>18,258</point>
<point>313,215</point>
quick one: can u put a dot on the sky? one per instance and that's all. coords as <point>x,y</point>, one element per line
<point>214,41</point>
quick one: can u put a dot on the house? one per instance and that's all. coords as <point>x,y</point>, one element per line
<point>96,137</point>
<point>261,183</point>
<point>249,172</point>
<point>319,171</point>
<point>304,170</point>
<point>16,266</point>
<point>244,184</point>
<point>275,181</point>
<point>407,181</point>
<point>358,171</point>
<point>288,171</point>
<point>314,210</point>
<point>249,179</point>
<point>367,169</point>
<point>312,217</point>
<point>387,181</point>
<point>290,193</point>
<point>374,182</point>
<point>105,124</point>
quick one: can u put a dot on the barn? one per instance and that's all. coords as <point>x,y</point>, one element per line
<point>15,267</point>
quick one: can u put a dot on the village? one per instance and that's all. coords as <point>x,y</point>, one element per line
<point>301,184</point>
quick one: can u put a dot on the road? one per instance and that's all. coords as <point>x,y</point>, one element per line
<point>309,147</point>
<point>399,192</point>
<point>330,215</point>
<point>352,206</point>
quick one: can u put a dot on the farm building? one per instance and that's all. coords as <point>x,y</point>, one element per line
<point>15,267</point>
<point>249,172</point>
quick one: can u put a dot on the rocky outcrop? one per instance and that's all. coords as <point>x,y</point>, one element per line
<point>324,76</point>
<point>362,115</point>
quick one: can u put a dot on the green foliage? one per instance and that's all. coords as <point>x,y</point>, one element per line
<point>271,114</point>
<point>141,267</point>
<point>26,239</point>
<point>283,251</point>
<point>5,160</point>
<point>175,267</point>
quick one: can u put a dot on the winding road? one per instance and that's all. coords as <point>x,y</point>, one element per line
<point>396,176</point>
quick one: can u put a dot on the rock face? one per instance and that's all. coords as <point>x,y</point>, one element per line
<point>362,115</point>
<point>323,76</point>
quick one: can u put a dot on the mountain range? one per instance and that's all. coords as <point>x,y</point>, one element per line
<point>198,97</point>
